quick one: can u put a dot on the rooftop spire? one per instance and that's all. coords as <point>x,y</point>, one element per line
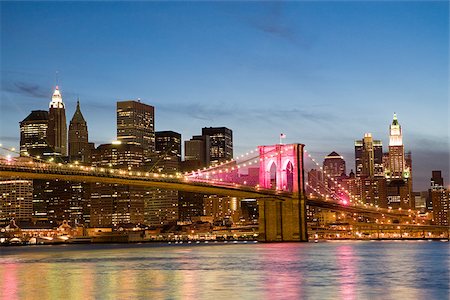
<point>78,116</point>
<point>394,120</point>
<point>56,99</point>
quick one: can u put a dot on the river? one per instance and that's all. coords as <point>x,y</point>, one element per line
<point>326,270</point>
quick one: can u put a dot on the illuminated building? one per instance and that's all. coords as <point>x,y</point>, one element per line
<point>221,143</point>
<point>369,171</point>
<point>79,149</point>
<point>190,206</point>
<point>398,171</point>
<point>222,209</point>
<point>368,157</point>
<point>59,200</point>
<point>196,153</point>
<point>33,134</point>
<point>167,156</point>
<point>16,200</point>
<point>440,200</point>
<point>57,126</point>
<point>334,170</point>
<point>114,204</point>
<point>397,165</point>
<point>136,125</point>
<point>160,207</point>
<point>118,155</point>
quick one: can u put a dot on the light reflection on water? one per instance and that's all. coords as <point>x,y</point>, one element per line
<point>330,270</point>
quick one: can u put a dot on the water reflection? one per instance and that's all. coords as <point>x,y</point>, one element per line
<point>346,270</point>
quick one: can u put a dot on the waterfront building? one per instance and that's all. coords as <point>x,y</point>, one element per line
<point>79,148</point>
<point>160,207</point>
<point>221,143</point>
<point>190,206</point>
<point>56,201</point>
<point>439,198</point>
<point>136,125</point>
<point>113,205</point>
<point>33,134</point>
<point>57,125</point>
<point>16,200</point>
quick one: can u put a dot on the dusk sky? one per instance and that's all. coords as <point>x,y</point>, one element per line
<point>323,73</point>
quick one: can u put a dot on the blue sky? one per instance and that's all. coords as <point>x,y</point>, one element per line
<point>324,73</point>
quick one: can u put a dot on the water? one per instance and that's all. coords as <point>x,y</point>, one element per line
<point>328,270</point>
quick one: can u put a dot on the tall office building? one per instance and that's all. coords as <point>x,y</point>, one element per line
<point>334,165</point>
<point>368,157</point>
<point>440,199</point>
<point>369,171</point>
<point>33,134</point>
<point>398,170</point>
<point>221,143</point>
<point>167,158</point>
<point>118,155</point>
<point>57,125</point>
<point>196,152</point>
<point>136,125</point>
<point>396,150</point>
<point>16,200</point>
<point>79,149</point>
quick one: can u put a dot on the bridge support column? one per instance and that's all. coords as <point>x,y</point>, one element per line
<point>282,220</point>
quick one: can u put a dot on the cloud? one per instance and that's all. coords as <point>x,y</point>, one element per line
<point>26,89</point>
<point>273,23</point>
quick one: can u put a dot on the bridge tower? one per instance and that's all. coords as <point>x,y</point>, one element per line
<point>281,169</point>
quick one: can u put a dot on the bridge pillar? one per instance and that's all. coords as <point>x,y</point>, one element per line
<point>282,220</point>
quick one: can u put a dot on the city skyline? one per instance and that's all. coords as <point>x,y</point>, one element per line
<point>244,85</point>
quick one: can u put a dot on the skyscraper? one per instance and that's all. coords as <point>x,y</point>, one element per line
<point>136,125</point>
<point>368,157</point>
<point>221,143</point>
<point>79,149</point>
<point>396,150</point>
<point>440,199</point>
<point>334,165</point>
<point>167,156</point>
<point>196,152</point>
<point>398,170</point>
<point>57,125</point>
<point>369,171</point>
<point>33,134</point>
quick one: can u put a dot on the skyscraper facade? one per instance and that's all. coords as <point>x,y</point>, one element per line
<point>33,134</point>
<point>16,200</point>
<point>396,150</point>
<point>368,157</point>
<point>167,158</point>
<point>136,125</point>
<point>221,143</point>
<point>79,149</point>
<point>196,152</point>
<point>57,125</point>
